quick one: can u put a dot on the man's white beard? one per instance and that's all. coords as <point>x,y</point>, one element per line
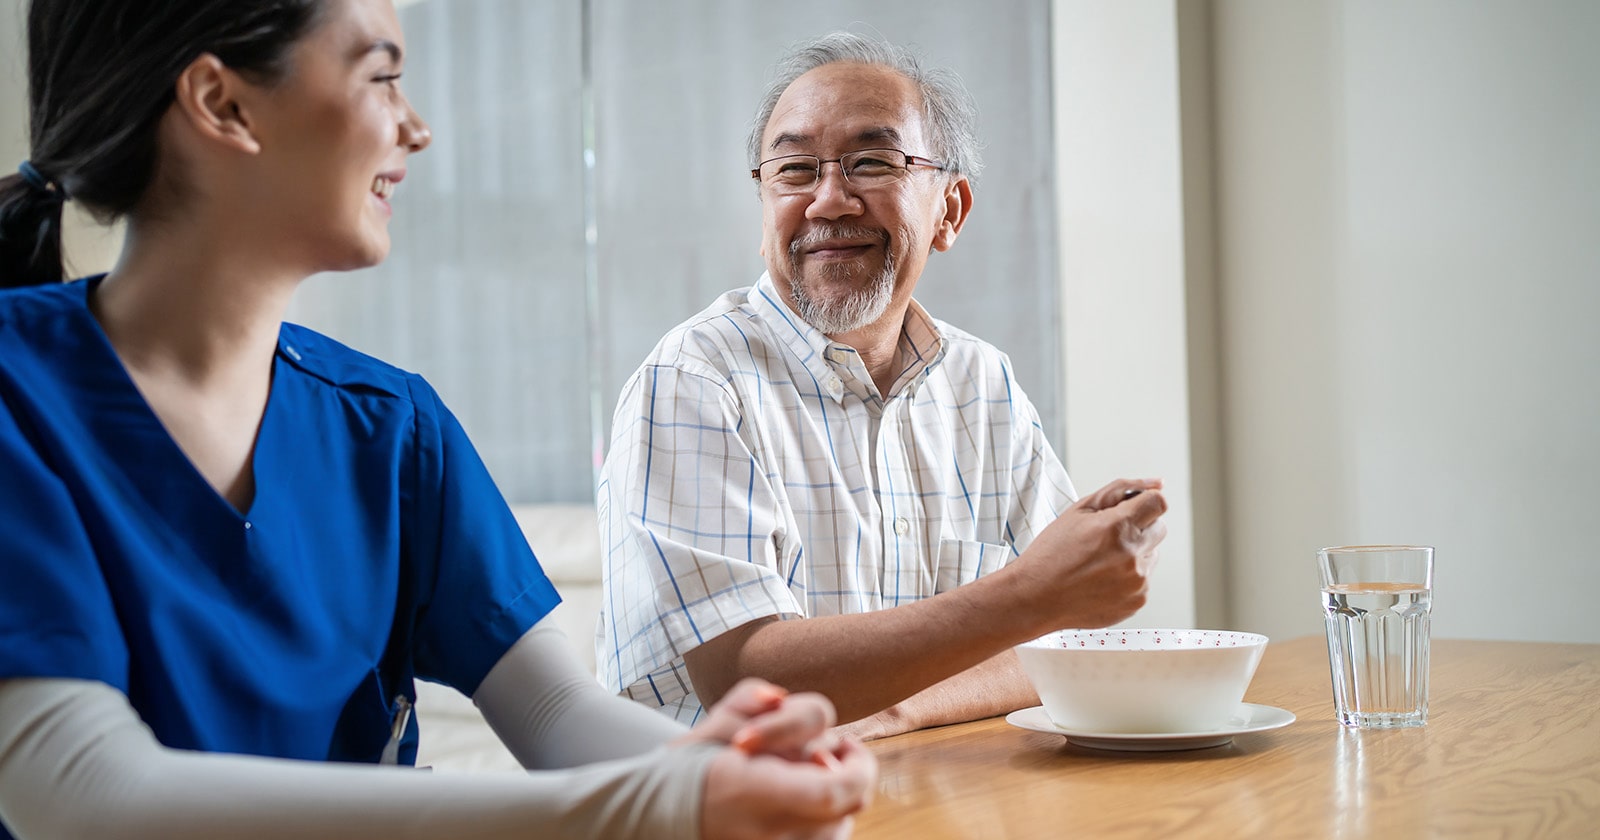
<point>832,316</point>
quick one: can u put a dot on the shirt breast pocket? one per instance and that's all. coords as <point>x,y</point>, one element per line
<point>370,718</point>
<point>964,561</point>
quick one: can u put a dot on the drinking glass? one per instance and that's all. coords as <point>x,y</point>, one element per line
<point>1377,600</point>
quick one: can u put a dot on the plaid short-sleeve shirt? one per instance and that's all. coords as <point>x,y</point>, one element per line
<point>755,471</point>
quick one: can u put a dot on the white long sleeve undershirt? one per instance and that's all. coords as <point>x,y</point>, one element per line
<point>549,711</point>
<point>76,761</point>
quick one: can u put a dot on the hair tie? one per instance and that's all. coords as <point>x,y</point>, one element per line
<point>38,181</point>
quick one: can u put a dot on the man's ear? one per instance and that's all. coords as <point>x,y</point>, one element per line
<point>957,204</point>
<point>209,97</point>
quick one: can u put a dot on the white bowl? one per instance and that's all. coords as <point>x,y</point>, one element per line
<point>1138,681</point>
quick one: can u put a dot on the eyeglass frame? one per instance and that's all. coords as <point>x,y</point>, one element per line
<point>911,160</point>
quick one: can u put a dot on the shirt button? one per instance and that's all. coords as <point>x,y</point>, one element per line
<point>248,526</point>
<point>901,526</point>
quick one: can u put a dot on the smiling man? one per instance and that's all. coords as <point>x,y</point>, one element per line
<point>814,480</point>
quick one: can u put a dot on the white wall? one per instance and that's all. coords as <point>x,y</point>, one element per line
<point>1120,203</point>
<point>13,87</point>
<point>1409,263</point>
<point>1372,232</point>
<point>13,101</point>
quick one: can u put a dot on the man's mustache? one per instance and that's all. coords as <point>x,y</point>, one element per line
<point>822,232</point>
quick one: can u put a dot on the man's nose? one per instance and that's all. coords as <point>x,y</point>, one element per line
<point>835,197</point>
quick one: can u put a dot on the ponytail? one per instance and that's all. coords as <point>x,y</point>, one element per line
<point>30,228</point>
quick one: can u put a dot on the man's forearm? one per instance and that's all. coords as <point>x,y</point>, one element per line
<point>1089,568</point>
<point>868,662</point>
<point>995,687</point>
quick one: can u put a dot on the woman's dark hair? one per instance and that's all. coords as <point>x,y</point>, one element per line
<point>100,75</point>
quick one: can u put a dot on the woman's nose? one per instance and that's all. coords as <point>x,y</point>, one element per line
<point>414,132</point>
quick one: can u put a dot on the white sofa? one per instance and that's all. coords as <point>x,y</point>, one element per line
<point>454,737</point>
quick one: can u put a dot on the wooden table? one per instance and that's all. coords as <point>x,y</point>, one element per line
<point>1511,749</point>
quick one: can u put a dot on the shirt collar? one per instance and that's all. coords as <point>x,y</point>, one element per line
<point>806,342</point>
<point>921,345</point>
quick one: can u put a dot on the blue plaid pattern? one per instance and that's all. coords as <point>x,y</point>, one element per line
<point>754,471</point>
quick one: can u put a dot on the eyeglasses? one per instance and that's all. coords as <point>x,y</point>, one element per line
<point>865,170</point>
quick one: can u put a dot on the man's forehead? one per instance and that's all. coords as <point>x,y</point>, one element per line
<point>846,102</point>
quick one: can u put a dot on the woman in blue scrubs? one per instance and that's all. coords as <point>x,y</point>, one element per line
<point>229,545</point>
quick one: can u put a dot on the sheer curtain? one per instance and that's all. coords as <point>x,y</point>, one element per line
<point>587,190</point>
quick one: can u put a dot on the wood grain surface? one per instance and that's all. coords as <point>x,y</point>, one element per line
<point>1511,749</point>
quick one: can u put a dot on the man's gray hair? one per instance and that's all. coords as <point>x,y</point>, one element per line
<point>947,108</point>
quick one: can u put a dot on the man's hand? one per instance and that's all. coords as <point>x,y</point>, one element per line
<point>996,686</point>
<point>1091,567</point>
<point>786,773</point>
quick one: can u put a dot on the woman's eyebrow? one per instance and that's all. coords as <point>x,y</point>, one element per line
<point>384,45</point>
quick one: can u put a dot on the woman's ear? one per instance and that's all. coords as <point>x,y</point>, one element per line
<point>957,204</point>
<point>211,100</point>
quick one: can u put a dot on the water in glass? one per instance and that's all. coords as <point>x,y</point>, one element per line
<point>1378,650</point>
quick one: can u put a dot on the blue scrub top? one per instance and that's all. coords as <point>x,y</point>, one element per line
<point>377,548</point>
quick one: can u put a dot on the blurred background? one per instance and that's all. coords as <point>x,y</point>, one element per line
<point>1329,268</point>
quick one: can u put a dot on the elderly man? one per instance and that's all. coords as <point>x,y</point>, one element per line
<point>817,447</point>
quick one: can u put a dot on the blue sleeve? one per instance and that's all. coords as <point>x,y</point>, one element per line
<point>56,614</point>
<point>486,586</point>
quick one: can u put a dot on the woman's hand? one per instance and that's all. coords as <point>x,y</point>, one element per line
<point>764,796</point>
<point>787,774</point>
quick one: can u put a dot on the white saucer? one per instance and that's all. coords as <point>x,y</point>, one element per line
<point>1249,717</point>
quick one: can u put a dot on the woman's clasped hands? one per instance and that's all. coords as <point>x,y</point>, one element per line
<point>788,774</point>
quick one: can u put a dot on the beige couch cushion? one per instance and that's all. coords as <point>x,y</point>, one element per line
<point>566,539</point>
